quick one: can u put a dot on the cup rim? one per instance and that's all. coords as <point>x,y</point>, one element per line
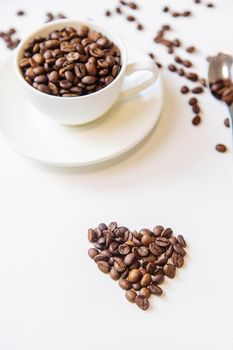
<point>92,24</point>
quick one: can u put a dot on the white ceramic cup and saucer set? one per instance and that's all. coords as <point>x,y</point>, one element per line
<point>82,130</point>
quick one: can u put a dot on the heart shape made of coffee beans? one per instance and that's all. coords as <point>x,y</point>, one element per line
<point>140,260</point>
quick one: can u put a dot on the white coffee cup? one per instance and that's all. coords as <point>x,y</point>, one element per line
<point>83,109</point>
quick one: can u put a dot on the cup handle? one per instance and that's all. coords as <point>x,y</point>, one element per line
<point>140,66</point>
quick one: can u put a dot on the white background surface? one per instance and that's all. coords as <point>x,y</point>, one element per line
<point>51,295</point>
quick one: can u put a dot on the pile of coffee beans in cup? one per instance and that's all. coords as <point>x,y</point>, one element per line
<point>139,260</point>
<point>223,90</point>
<point>70,62</point>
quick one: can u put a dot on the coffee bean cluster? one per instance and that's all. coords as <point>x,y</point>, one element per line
<point>140,261</point>
<point>52,17</point>
<point>9,38</point>
<point>161,39</point>
<point>223,90</point>
<point>186,13</point>
<point>194,103</point>
<point>71,62</point>
<point>120,11</point>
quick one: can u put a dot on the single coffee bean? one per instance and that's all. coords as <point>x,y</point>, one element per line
<point>92,252</point>
<point>179,250</point>
<point>177,260</point>
<point>169,270</point>
<point>124,249</point>
<point>135,265</point>
<point>187,13</point>
<point>196,109</point>
<point>192,76</point>
<point>191,49</point>
<point>118,10</point>
<point>131,295</point>
<point>210,5</point>
<point>129,259</point>
<point>158,279</point>
<point>197,90</point>
<point>146,240</point>
<point>120,265</point>
<point>157,231</point>
<point>184,90</point>
<point>167,233</point>
<point>20,13</point>
<point>103,266</point>
<point>155,249</point>
<point>143,251</point>
<point>114,274</point>
<point>178,59</point>
<point>125,274</point>
<point>52,44</point>
<point>24,62</point>
<point>124,284</point>
<point>181,241</point>
<point>187,63</point>
<point>193,101</point>
<point>156,290</point>
<point>172,68</point>
<point>142,302</point>
<point>101,257</point>
<point>227,122</point>
<point>180,72</point>
<point>162,242</point>
<point>177,43</point>
<point>162,260</point>
<point>150,268</point>
<point>146,280</point>
<point>145,292</point>
<point>221,148</point>
<point>166,9</point>
<point>130,18</point>
<point>53,76</point>
<point>140,27</point>
<point>134,275</point>
<point>43,88</point>
<point>107,13</point>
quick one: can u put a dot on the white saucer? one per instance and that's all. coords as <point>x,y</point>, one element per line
<point>39,138</point>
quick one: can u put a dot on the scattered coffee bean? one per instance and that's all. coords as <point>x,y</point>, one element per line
<point>192,76</point>
<point>118,10</point>
<point>20,13</point>
<point>133,5</point>
<point>193,101</point>
<point>197,90</point>
<point>76,61</point>
<point>172,68</point>
<point>196,109</point>
<point>191,49</point>
<point>197,1</point>
<point>184,90</point>
<point>166,9</point>
<point>210,5</point>
<point>227,122</point>
<point>187,63</point>
<point>221,148</point>
<point>196,120</point>
<point>130,18</point>
<point>139,260</point>
<point>180,72</point>
<point>140,26</point>
<point>9,38</point>
<point>108,13</point>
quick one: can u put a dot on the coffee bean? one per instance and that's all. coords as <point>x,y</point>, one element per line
<point>191,49</point>
<point>114,274</point>
<point>197,90</point>
<point>52,44</point>
<point>157,231</point>
<point>172,68</point>
<point>227,122</point>
<point>196,109</point>
<point>103,266</point>
<point>169,252</point>
<point>92,252</point>
<point>178,59</point>
<point>119,265</point>
<point>192,76</point>
<point>156,290</point>
<point>169,270</point>
<point>221,148</point>
<point>158,279</point>
<point>175,14</point>
<point>162,242</point>
<point>150,268</point>
<point>155,249</point>
<point>130,18</point>
<point>124,249</point>
<point>181,241</point>
<point>24,62</point>
<point>146,280</point>
<point>145,292</point>
<point>177,43</point>
<point>41,79</point>
<point>107,13</point>
<point>131,295</point>
<point>142,302</point>
<point>118,10</point>
<point>43,88</point>
<point>124,284</point>
<point>179,250</point>
<point>140,27</point>
<point>20,13</point>
<point>129,259</point>
<point>187,63</point>
<point>177,260</point>
<point>167,233</point>
<point>187,13</point>
<point>143,251</point>
<point>210,5</point>
<point>193,101</point>
<point>166,9</point>
<point>134,275</point>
